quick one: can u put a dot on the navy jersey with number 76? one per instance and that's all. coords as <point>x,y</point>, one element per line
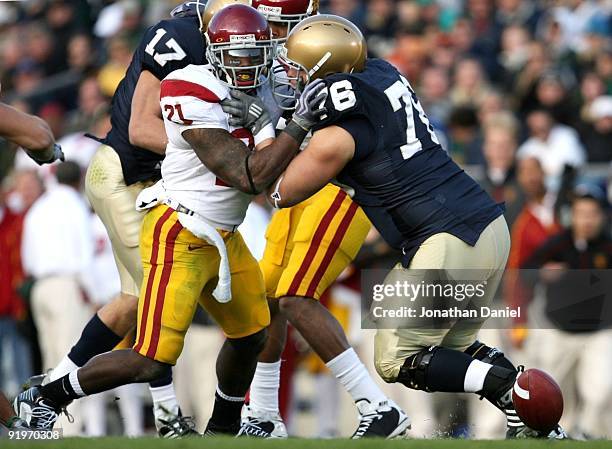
<point>167,46</point>
<point>405,182</point>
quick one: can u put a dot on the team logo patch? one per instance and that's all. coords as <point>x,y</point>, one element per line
<point>270,10</point>
<point>242,38</point>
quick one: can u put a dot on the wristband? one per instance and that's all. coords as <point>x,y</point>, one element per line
<point>248,173</point>
<point>267,132</point>
<point>295,131</point>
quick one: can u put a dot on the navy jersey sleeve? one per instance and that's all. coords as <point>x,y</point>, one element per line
<point>363,134</point>
<point>171,45</point>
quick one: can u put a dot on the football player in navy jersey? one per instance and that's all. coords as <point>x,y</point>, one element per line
<point>376,141</point>
<point>127,161</point>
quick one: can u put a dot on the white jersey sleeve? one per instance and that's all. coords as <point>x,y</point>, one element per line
<point>190,98</point>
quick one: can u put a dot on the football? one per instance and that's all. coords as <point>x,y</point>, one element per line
<point>538,400</point>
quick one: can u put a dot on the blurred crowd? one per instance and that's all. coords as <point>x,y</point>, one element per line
<point>519,92</point>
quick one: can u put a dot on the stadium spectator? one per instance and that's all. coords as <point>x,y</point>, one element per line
<point>12,309</point>
<point>570,265</point>
<point>597,133</point>
<point>434,95</point>
<point>534,224</point>
<point>555,145</point>
<point>499,149</point>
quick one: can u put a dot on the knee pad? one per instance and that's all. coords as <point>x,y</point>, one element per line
<point>488,354</point>
<point>251,343</point>
<point>413,372</point>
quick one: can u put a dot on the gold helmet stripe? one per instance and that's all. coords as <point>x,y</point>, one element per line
<point>319,64</point>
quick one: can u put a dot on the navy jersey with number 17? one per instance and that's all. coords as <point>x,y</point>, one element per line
<point>405,182</point>
<point>168,46</point>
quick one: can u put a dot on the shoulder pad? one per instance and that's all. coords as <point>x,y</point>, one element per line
<point>195,81</point>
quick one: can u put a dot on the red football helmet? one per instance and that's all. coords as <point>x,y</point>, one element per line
<point>239,46</point>
<point>288,12</point>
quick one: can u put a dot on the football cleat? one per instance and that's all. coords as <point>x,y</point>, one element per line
<point>174,426</point>
<point>38,412</point>
<point>261,424</point>
<point>178,427</point>
<point>523,432</point>
<point>382,420</point>
<point>34,381</point>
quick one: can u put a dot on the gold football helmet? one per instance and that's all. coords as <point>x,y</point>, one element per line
<point>206,10</point>
<point>318,46</point>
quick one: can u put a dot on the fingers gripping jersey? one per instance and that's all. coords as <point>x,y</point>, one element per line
<point>190,98</point>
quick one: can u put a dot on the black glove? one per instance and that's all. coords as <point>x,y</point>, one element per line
<point>49,156</point>
<point>246,111</point>
<point>311,105</point>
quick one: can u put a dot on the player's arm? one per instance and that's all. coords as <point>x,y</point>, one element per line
<point>31,133</point>
<point>27,131</point>
<point>327,153</point>
<point>252,172</point>
<point>146,129</point>
<point>231,160</point>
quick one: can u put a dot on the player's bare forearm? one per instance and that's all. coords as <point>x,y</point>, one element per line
<point>146,129</point>
<point>226,156</point>
<point>327,153</point>
<point>27,131</point>
<point>150,134</point>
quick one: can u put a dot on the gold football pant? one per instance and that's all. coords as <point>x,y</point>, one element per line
<point>115,204</point>
<point>486,259</point>
<point>180,271</point>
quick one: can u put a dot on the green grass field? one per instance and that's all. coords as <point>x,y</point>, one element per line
<point>232,443</point>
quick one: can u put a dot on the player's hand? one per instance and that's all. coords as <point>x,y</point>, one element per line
<point>50,155</point>
<point>311,105</point>
<point>246,111</point>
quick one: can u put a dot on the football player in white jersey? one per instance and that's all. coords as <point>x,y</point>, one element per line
<point>190,249</point>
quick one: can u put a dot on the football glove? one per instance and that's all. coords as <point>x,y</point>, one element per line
<point>311,105</point>
<point>246,111</point>
<point>50,155</point>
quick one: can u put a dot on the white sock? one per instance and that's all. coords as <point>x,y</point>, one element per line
<point>164,401</point>
<point>74,383</point>
<point>264,388</point>
<point>353,375</point>
<point>64,367</point>
<point>475,376</point>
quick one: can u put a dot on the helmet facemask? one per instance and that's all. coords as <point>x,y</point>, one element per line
<point>242,64</point>
<point>289,78</point>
